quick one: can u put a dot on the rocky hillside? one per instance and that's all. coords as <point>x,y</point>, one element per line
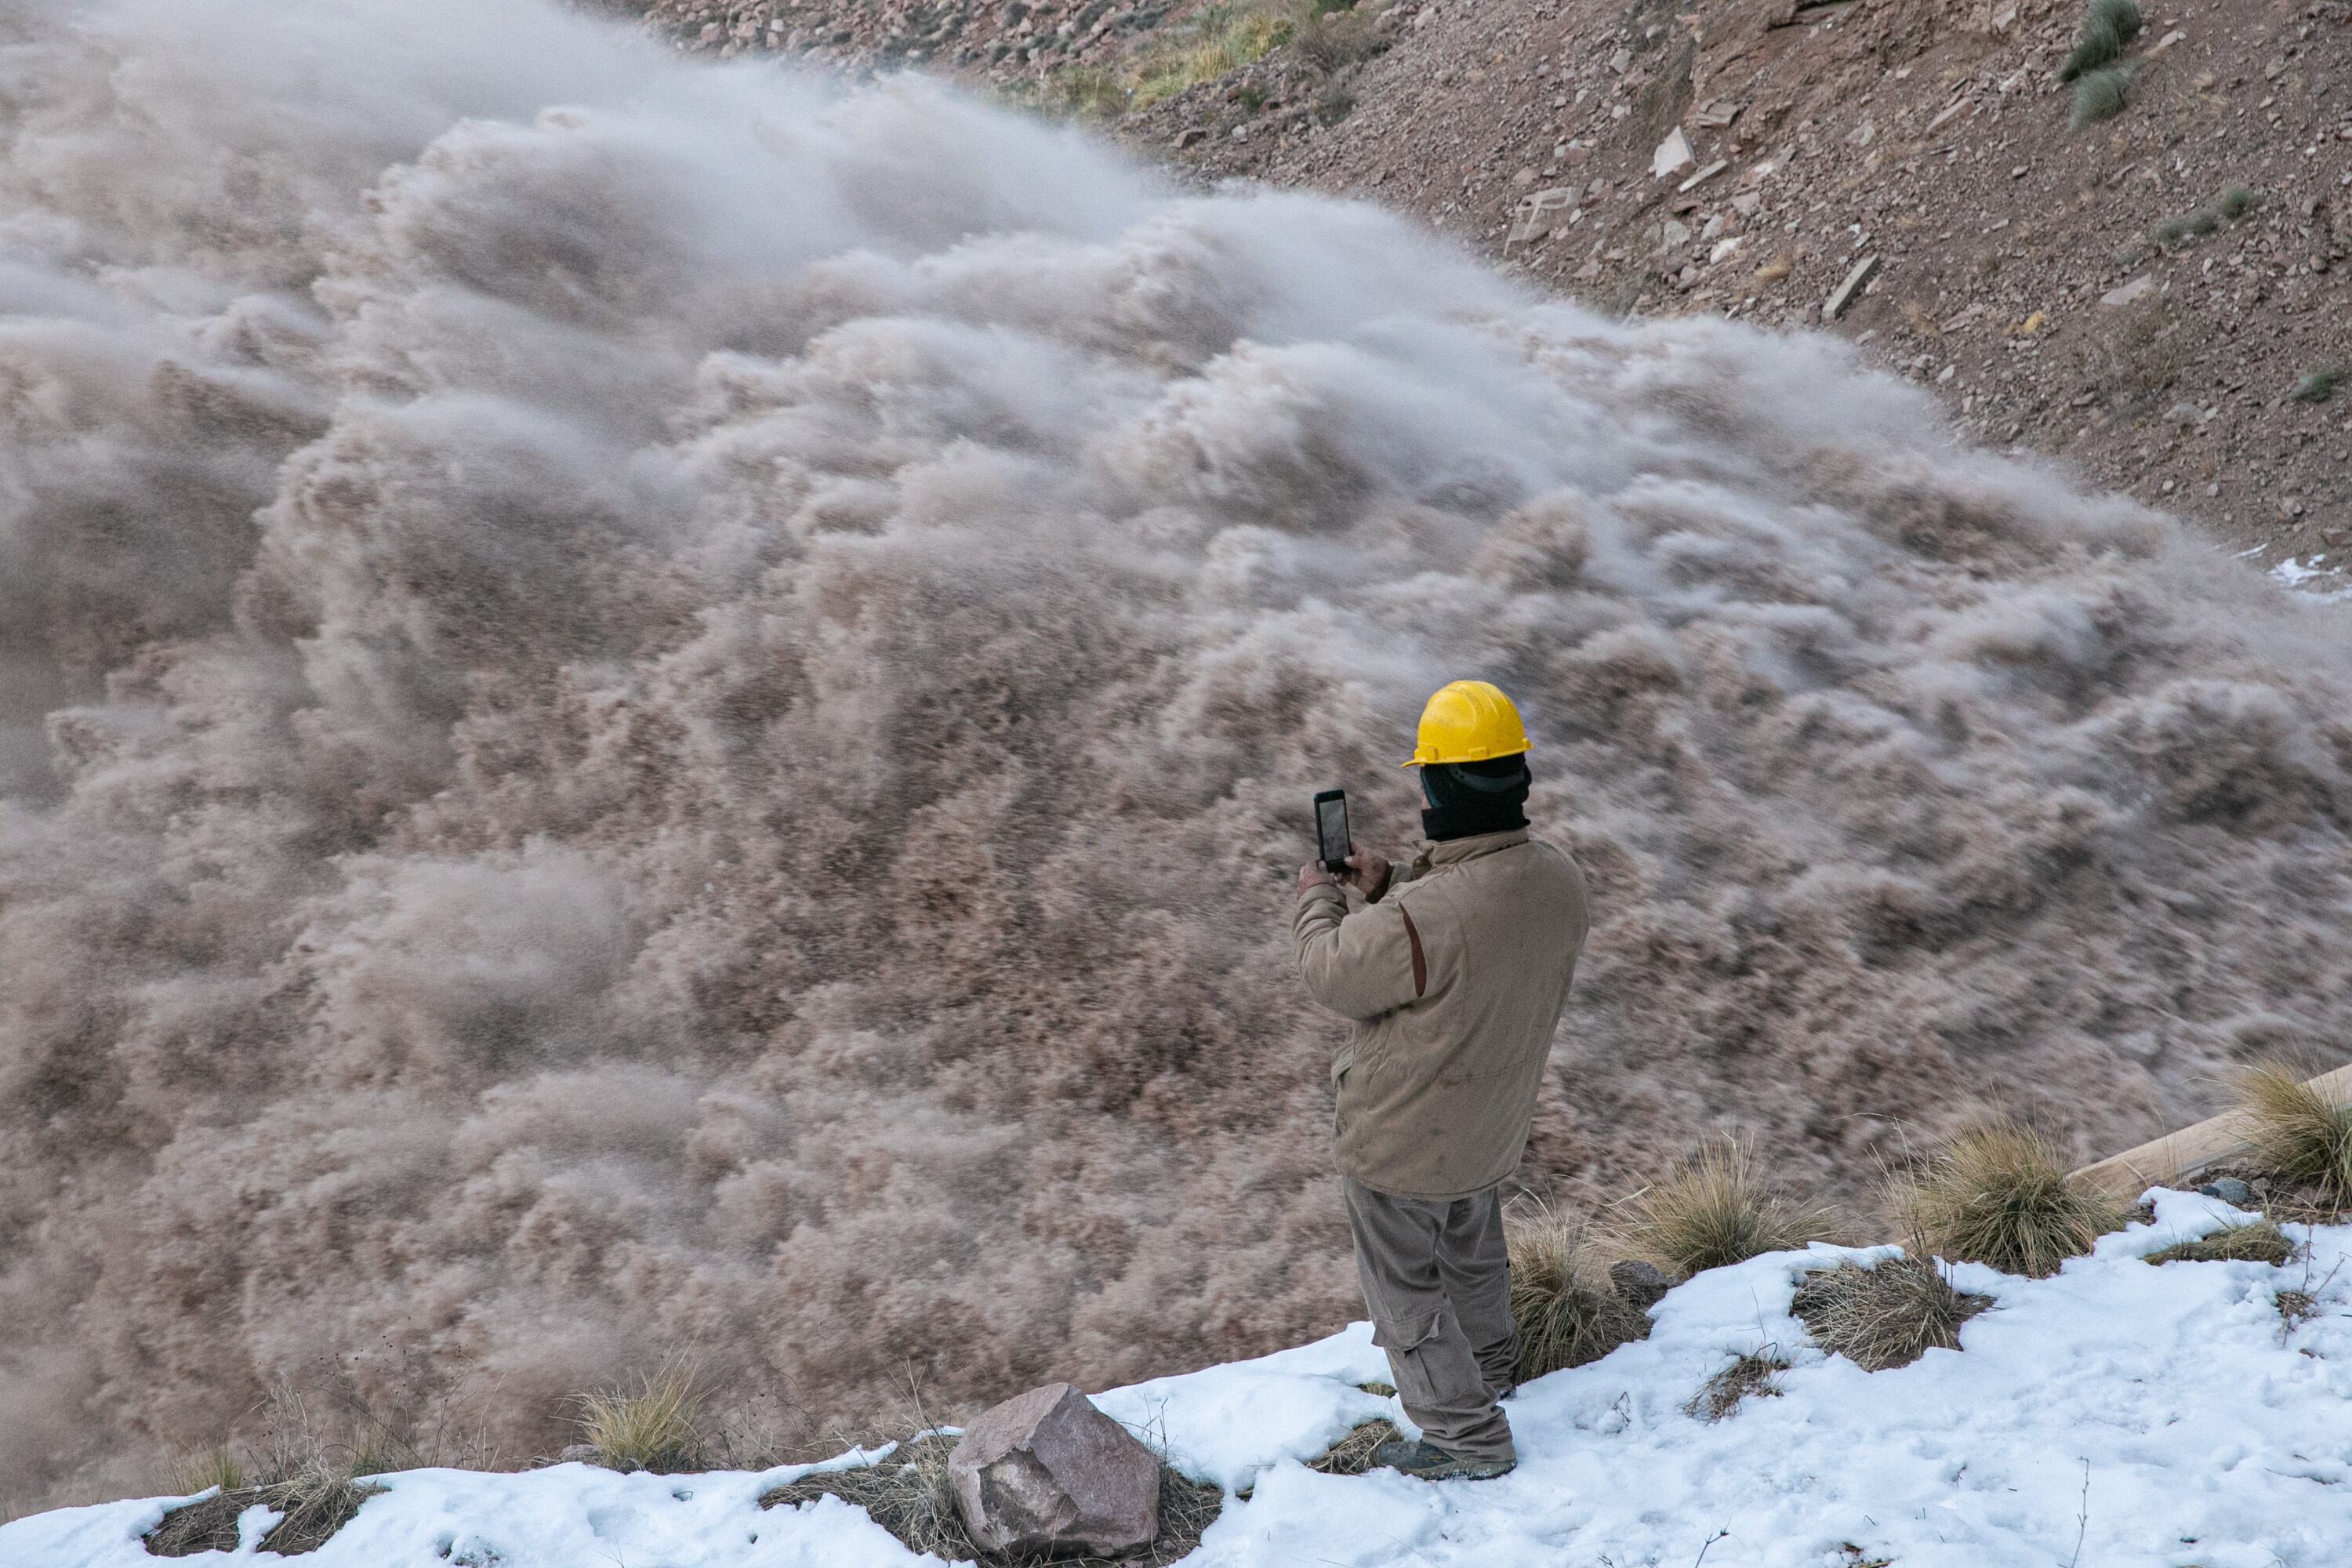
<point>2159,297</point>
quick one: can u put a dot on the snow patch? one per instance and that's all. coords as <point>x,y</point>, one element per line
<point>2317,579</point>
<point>2163,1415</point>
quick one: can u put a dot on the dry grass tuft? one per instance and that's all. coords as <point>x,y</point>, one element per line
<point>202,1470</point>
<point>2108,29</point>
<point>1087,92</point>
<point>1757,1372</point>
<point>1885,1315</point>
<point>1352,1455</point>
<point>2237,201</point>
<point>1335,41</point>
<point>1714,1208</point>
<point>2261,1242</point>
<point>908,1494</point>
<point>1567,1314</point>
<point>2101,95</point>
<point>1997,1193</point>
<point>656,1425</point>
<point>1222,38</point>
<point>2297,1134</point>
<point>315,1482</point>
<point>2187,226</point>
<point>314,1505</point>
<point>2318,386</point>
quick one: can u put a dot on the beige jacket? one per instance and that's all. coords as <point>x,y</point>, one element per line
<point>1455,978</point>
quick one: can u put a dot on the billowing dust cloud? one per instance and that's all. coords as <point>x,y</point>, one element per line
<point>650,709</point>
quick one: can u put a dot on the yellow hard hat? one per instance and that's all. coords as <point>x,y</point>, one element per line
<point>1467,722</point>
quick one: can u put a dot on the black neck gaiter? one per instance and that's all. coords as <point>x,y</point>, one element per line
<point>1463,800</point>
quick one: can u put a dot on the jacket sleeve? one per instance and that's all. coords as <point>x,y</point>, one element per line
<point>1400,873</point>
<point>1358,965</point>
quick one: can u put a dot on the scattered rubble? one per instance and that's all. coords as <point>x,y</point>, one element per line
<point>1746,159</point>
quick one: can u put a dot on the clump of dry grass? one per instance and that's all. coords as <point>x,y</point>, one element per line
<point>1352,1455</point>
<point>2296,1133</point>
<point>1566,1314</point>
<point>1223,38</point>
<point>657,1424</point>
<point>314,1483</point>
<point>1885,1315</point>
<point>2101,95</point>
<point>1997,1193</point>
<point>907,1493</point>
<point>1715,1208</point>
<point>2318,386</point>
<point>314,1505</point>
<point>202,1470</point>
<point>1757,1372</point>
<point>2261,1242</point>
<point>1334,41</point>
<point>2108,29</point>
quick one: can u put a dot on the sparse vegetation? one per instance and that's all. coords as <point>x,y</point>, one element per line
<point>1352,1455</point>
<point>202,1469</point>
<point>1337,39</point>
<point>1328,35</point>
<point>314,1505</point>
<point>656,1425</point>
<point>1997,1193</point>
<point>1222,38</point>
<point>2101,95</point>
<point>2261,1242</point>
<point>2237,201</point>
<point>1886,1314</point>
<point>2296,1133</point>
<point>1714,1208</point>
<point>908,1494</point>
<point>2187,226</point>
<point>1087,92</point>
<point>2138,359</point>
<point>315,1482</point>
<point>2173,233</point>
<point>1565,1312</point>
<point>2318,386</point>
<point>2108,29</point>
<point>1757,1372</point>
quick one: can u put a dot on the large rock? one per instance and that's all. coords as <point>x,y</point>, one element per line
<point>1048,1472</point>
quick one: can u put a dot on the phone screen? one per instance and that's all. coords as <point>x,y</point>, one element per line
<point>1331,827</point>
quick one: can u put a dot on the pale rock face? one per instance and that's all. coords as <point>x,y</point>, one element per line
<point>1048,1471</point>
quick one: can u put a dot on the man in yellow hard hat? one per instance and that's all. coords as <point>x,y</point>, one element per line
<point>1454,973</point>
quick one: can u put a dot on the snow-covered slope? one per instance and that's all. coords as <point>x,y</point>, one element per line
<point>2118,1415</point>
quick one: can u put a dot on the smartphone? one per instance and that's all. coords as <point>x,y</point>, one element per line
<point>1331,830</point>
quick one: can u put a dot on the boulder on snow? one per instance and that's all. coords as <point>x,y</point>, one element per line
<point>1048,1472</point>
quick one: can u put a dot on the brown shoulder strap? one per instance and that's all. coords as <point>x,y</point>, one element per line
<point>1419,961</point>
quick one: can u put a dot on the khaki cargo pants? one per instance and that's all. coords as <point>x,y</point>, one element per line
<point>1437,1280</point>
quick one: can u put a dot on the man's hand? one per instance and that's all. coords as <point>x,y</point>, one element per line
<point>1368,872</point>
<point>1312,874</point>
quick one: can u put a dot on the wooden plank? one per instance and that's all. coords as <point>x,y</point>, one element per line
<point>2192,1150</point>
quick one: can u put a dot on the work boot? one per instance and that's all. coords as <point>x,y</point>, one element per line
<point>1432,1464</point>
